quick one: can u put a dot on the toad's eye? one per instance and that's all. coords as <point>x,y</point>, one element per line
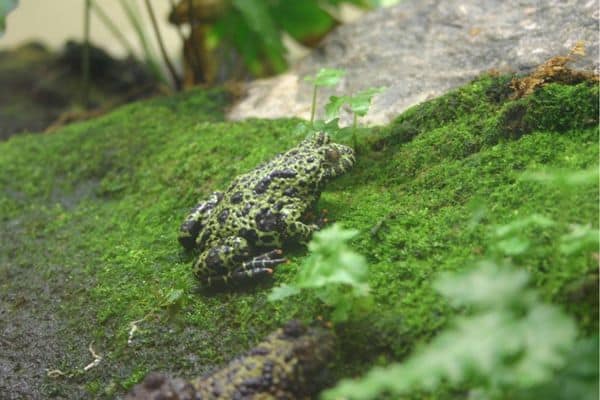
<point>332,155</point>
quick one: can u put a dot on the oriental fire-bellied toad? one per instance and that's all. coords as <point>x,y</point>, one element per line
<point>239,231</point>
<point>289,364</point>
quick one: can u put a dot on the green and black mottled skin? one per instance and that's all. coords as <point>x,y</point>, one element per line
<point>286,365</point>
<point>239,231</point>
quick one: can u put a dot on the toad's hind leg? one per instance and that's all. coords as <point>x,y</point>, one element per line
<point>259,265</point>
<point>256,267</point>
<point>195,221</point>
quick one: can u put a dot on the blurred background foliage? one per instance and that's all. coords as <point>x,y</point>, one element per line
<point>171,45</point>
<point>236,39</point>
<point>5,7</point>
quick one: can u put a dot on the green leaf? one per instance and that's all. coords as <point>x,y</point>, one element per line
<point>6,6</point>
<point>330,127</point>
<point>510,340</point>
<point>547,334</point>
<point>517,226</point>
<point>303,20</point>
<point>564,179</point>
<point>332,109</point>
<point>233,28</point>
<point>577,380</point>
<point>513,246</point>
<point>383,3</point>
<point>580,238</point>
<point>283,291</point>
<point>326,77</point>
<point>333,272</point>
<point>483,286</point>
<point>172,297</point>
<point>256,15</point>
<point>303,129</point>
<point>361,102</point>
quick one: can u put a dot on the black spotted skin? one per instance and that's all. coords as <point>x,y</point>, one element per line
<point>288,364</point>
<point>239,231</point>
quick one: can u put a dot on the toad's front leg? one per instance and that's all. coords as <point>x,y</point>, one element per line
<point>230,261</point>
<point>294,227</point>
<point>195,221</point>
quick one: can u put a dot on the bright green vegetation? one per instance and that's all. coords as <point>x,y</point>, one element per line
<point>508,340</point>
<point>93,212</point>
<point>336,274</point>
<point>359,103</point>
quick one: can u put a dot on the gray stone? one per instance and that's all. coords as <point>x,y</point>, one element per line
<point>420,49</point>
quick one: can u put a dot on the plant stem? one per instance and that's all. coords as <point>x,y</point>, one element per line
<point>85,61</point>
<point>195,47</point>
<point>193,62</point>
<point>314,105</point>
<point>112,28</point>
<point>354,126</point>
<point>174,76</point>
<point>133,17</point>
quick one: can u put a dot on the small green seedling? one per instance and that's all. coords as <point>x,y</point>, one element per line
<point>359,105</point>
<point>333,272</point>
<point>325,77</point>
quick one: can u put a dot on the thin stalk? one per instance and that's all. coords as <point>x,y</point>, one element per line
<point>314,104</point>
<point>194,45</point>
<point>182,37</point>
<point>112,28</point>
<point>161,45</point>
<point>354,126</point>
<point>139,30</point>
<point>85,56</point>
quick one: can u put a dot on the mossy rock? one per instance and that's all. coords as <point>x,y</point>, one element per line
<point>89,218</point>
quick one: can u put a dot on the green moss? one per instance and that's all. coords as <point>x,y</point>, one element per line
<point>94,209</point>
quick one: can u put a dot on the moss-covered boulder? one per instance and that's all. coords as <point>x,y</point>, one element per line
<point>89,218</point>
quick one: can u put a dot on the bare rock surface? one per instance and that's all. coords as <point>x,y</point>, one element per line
<point>420,49</point>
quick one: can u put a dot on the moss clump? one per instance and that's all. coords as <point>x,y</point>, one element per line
<point>553,108</point>
<point>92,212</point>
<point>484,109</point>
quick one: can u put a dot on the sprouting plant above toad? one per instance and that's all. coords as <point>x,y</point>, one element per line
<point>358,104</point>
<point>325,77</point>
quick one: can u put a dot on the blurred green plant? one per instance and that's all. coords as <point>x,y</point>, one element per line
<point>333,272</point>
<point>383,3</point>
<point>6,6</point>
<point>577,380</point>
<point>518,236</point>
<point>509,344</point>
<point>255,28</point>
<point>508,340</point>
